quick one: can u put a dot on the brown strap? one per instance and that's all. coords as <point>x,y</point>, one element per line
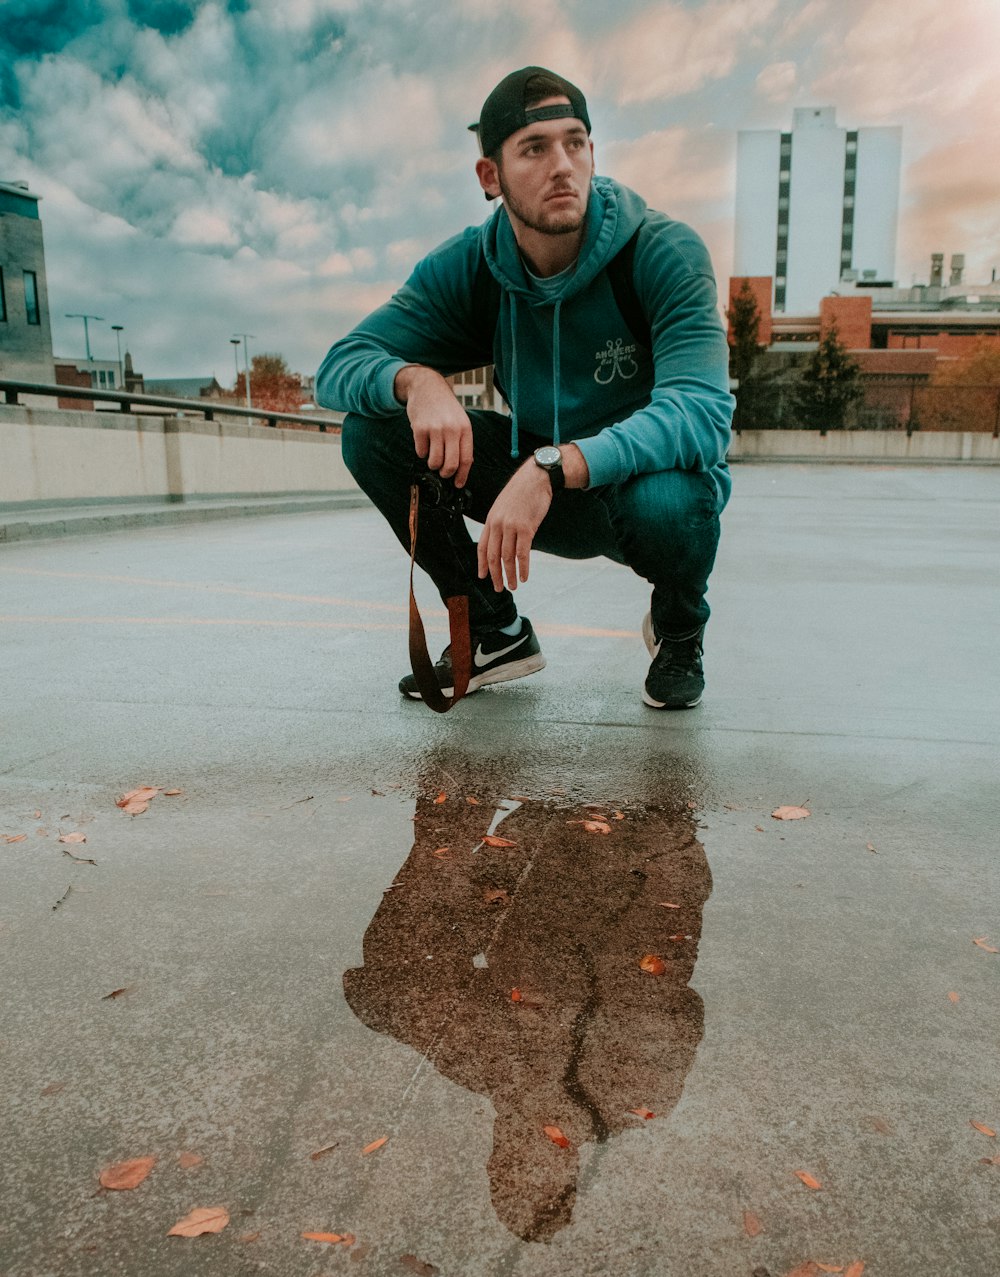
<point>458,624</point>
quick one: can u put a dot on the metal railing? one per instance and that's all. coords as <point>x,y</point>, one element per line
<point>208,408</point>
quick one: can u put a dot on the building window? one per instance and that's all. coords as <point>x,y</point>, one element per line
<point>31,297</point>
<point>3,299</point>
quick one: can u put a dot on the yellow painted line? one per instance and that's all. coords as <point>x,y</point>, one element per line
<point>552,631</point>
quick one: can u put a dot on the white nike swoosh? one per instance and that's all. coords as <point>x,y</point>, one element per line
<point>480,659</point>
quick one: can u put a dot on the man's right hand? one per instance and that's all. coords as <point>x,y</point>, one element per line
<point>442,432</point>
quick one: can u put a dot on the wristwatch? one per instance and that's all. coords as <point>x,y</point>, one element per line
<point>549,458</point>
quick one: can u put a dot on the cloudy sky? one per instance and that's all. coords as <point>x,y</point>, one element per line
<point>211,167</point>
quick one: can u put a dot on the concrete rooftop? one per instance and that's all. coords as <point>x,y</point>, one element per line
<point>317,954</point>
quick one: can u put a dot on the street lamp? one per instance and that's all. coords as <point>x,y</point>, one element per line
<point>118,329</point>
<point>246,364</point>
<point>86,329</point>
<point>235,343</point>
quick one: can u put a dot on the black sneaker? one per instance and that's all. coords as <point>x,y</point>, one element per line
<point>675,679</point>
<point>496,658</point>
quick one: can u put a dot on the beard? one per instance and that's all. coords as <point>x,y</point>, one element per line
<point>557,222</point>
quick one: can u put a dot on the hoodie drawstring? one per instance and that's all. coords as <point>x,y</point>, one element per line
<point>556,374</point>
<point>513,378</point>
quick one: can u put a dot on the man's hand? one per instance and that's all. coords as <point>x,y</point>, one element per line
<point>510,527</point>
<point>441,429</point>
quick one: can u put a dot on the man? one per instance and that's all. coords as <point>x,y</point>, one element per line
<point>599,316</point>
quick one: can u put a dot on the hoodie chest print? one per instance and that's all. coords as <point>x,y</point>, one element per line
<point>615,360</point>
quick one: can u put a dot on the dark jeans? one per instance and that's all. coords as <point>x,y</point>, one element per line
<point>664,526</point>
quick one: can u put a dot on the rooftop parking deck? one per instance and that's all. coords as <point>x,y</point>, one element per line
<point>312,948</point>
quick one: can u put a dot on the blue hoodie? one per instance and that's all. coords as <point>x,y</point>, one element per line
<point>571,369</point>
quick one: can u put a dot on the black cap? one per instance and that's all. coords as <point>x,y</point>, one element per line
<point>504,112</point>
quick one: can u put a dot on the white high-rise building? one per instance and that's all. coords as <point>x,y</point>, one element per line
<point>816,206</point>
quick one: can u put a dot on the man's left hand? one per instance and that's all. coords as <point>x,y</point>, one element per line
<point>510,527</point>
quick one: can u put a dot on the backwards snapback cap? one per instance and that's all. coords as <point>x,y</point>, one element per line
<point>504,111</point>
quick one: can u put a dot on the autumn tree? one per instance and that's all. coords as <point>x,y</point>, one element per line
<point>828,385</point>
<point>272,384</point>
<point>744,345</point>
<point>964,393</point>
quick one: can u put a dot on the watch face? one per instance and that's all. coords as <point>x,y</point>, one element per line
<point>548,456</point>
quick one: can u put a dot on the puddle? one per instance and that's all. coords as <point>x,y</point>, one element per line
<point>513,967</point>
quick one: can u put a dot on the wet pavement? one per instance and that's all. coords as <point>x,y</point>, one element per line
<point>318,949</point>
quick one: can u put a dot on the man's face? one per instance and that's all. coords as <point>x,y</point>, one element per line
<point>544,174</point>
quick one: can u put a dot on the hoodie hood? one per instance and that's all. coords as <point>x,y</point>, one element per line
<point>614,213</point>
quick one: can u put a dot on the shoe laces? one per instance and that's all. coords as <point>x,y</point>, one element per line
<point>679,656</point>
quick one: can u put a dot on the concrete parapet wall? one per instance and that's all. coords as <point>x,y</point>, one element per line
<point>927,447</point>
<point>77,456</point>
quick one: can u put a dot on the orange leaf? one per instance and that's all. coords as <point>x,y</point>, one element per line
<point>556,1136</point>
<point>809,1180</point>
<point>73,838</point>
<point>441,853</point>
<point>491,840</point>
<point>172,793</point>
<point>331,1238</point>
<point>592,826</point>
<point>370,1148</point>
<point>954,997</point>
<point>16,838</point>
<point>137,800</point>
<point>790,813</point>
<point>667,905</point>
<point>643,1113</point>
<point>516,995</point>
<point>985,1129</point>
<point>751,1224</point>
<point>203,1219</point>
<point>983,945</point>
<point>186,1160</point>
<point>473,801</point>
<point>441,798</point>
<point>653,964</point>
<point>617,815</point>
<point>126,1175</point>
<point>855,1269</point>
<point>829,1268</point>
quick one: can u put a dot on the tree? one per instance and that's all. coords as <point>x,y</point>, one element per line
<point>745,346</point>
<point>963,394</point>
<point>272,384</point>
<point>828,385</point>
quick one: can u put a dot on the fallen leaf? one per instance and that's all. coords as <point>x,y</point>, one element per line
<point>617,815</point>
<point>73,838</point>
<point>667,905</point>
<point>679,936</point>
<point>751,1224</point>
<point>597,827</point>
<point>556,1136</point>
<point>871,849</point>
<point>136,801</point>
<point>790,813</point>
<point>441,853</point>
<point>491,840</point>
<point>186,1160</point>
<point>985,1129</point>
<point>473,801</point>
<point>759,828</point>
<point>692,804</point>
<point>16,838</point>
<point>331,1238</point>
<point>203,1219</point>
<point>856,1269</point>
<point>986,1161</point>
<point>172,793</point>
<point>496,895</point>
<point>954,997</point>
<point>126,1175</point>
<point>643,1113</point>
<point>441,798</point>
<point>249,1237</point>
<point>809,1180</point>
<point>80,860</point>
<point>117,993</point>
<point>418,1266</point>
<point>370,1148</point>
<point>38,815</point>
<point>516,995</point>
<point>829,1268</point>
<point>653,964</point>
<point>981,941</point>
<point>322,1152</point>
<point>53,1088</point>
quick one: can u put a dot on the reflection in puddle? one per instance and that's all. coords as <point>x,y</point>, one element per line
<point>564,917</point>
